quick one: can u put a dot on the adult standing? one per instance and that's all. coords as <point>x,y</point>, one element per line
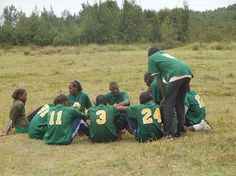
<point>178,75</point>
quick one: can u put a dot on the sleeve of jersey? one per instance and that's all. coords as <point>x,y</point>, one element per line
<point>125,96</point>
<point>116,112</point>
<point>106,95</point>
<point>186,103</point>
<point>152,68</point>
<point>155,94</point>
<point>131,112</point>
<point>76,113</point>
<point>88,103</point>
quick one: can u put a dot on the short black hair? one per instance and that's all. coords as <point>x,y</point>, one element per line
<point>17,93</point>
<point>101,99</point>
<point>152,51</point>
<point>148,76</point>
<point>77,84</point>
<point>60,99</point>
<point>113,85</point>
<point>145,97</point>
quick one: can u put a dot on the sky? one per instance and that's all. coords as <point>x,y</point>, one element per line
<point>74,6</point>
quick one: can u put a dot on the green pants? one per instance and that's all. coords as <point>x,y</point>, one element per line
<point>21,130</point>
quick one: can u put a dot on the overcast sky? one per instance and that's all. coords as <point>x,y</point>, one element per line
<point>74,6</point>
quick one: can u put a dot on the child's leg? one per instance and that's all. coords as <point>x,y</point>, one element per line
<point>132,125</point>
<point>79,124</point>
<point>8,129</point>
<point>202,126</point>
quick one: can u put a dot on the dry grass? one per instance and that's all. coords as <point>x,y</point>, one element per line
<point>45,72</point>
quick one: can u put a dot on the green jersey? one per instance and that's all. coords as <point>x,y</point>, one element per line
<point>102,124</point>
<point>59,122</point>
<point>167,65</point>
<point>80,101</point>
<point>156,94</point>
<point>111,99</point>
<point>17,115</point>
<point>148,118</point>
<point>38,125</point>
<point>196,109</point>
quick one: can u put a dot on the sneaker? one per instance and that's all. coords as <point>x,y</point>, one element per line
<point>205,125</point>
<point>167,137</point>
<point>180,134</point>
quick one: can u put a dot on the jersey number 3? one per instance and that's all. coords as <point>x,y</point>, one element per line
<point>147,118</point>
<point>102,117</point>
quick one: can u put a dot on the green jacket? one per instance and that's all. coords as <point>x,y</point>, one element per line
<point>17,114</point>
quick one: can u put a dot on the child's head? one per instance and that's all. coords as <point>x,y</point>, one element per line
<point>114,88</point>
<point>61,99</point>
<point>152,51</point>
<point>101,99</point>
<point>74,87</point>
<point>148,79</point>
<point>145,97</point>
<point>20,94</point>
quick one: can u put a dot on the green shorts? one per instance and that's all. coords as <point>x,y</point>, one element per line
<point>21,130</point>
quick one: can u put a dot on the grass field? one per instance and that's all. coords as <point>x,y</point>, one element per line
<point>45,72</point>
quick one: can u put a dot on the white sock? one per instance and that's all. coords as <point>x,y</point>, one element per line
<point>197,127</point>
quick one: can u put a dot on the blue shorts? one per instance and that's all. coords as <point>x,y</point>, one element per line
<point>79,124</point>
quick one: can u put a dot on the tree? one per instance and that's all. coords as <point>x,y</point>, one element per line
<point>132,22</point>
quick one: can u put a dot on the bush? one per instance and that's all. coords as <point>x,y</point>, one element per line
<point>26,53</point>
<point>195,47</point>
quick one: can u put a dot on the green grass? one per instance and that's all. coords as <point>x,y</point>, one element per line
<point>45,72</point>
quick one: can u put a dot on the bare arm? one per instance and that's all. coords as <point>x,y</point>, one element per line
<point>125,103</point>
<point>120,107</point>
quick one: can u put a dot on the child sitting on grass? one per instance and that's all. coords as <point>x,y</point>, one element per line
<point>18,120</point>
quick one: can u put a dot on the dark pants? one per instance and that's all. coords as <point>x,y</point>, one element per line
<point>175,99</point>
<point>133,125</point>
<point>120,122</point>
<point>80,124</point>
<point>31,116</point>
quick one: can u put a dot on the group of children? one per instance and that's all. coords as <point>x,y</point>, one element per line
<point>111,114</point>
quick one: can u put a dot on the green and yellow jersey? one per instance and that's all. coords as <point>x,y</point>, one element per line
<point>80,101</point>
<point>38,125</point>
<point>196,109</point>
<point>148,118</point>
<point>102,124</point>
<point>156,94</point>
<point>59,122</point>
<point>111,99</point>
<point>167,65</point>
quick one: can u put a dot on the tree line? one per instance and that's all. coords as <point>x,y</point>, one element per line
<point>105,22</point>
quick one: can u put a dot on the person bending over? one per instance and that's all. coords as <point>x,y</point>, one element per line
<point>178,76</point>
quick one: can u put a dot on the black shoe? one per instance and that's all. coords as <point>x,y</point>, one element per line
<point>179,134</point>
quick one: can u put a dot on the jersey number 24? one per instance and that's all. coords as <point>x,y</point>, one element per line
<point>148,117</point>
